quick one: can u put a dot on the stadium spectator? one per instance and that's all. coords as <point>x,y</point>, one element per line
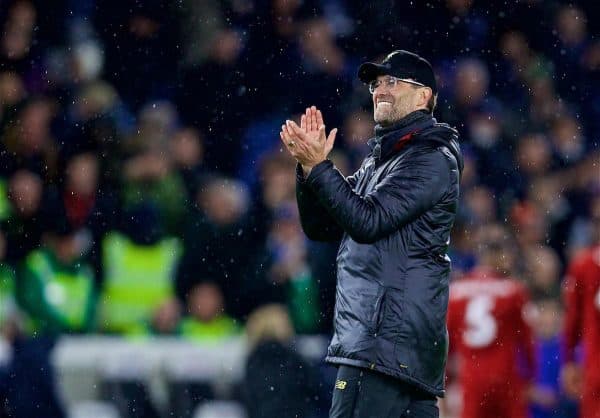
<point>139,265</point>
<point>18,50</point>
<point>206,319</point>
<point>219,244</point>
<point>278,383</point>
<point>289,279</point>
<point>56,283</point>
<point>186,147</point>
<point>28,142</point>
<point>24,227</point>
<point>546,395</point>
<point>8,301</point>
<point>149,177</point>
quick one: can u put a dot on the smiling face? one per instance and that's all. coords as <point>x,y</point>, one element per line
<point>390,104</point>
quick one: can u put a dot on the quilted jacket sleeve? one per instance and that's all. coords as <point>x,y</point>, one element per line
<point>408,190</point>
<point>317,223</point>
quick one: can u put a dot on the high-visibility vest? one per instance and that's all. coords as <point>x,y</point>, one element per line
<point>69,293</point>
<point>5,207</point>
<point>137,279</point>
<point>8,303</point>
<point>219,328</point>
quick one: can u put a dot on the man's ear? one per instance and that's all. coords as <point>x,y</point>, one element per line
<point>426,94</point>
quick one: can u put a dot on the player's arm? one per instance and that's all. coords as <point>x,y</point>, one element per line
<point>453,324</point>
<point>573,299</point>
<point>525,333</point>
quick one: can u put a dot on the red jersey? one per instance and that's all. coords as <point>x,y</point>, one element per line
<point>493,342</point>
<point>582,323</point>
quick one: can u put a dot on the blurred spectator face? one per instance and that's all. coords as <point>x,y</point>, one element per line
<point>25,190</point>
<point>514,47</point>
<point>67,248</point>
<point>35,126</point>
<point>143,27</point>
<point>286,224</point>
<point>471,82</point>
<point>224,201</point>
<point>147,166</point>
<point>12,89</point>
<point>278,181</point>
<point>481,204</point>
<point>18,30</point>
<point>358,126</point>
<point>591,58</point>
<point>543,268</point>
<point>285,7</point>
<point>533,154</point>
<point>226,47</point>
<point>546,193</point>
<point>485,129</point>
<point>495,248</point>
<point>545,105</point>
<point>459,7</point>
<point>82,174</point>
<point>319,48</point>
<point>205,302</point>
<point>567,138</point>
<point>167,316</point>
<point>87,61</point>
<point>95,99</point>
<point>187,149</point>
<point>269,323</point>
<point>547,318</point>
<point>283,15</point>
<point>528,223</point>
<point>157,122</point>
<point>571,23</point>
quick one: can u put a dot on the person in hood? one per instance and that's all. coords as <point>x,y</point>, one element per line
<point>393,218</point>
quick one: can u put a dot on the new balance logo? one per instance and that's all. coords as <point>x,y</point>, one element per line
<point>340,384</point>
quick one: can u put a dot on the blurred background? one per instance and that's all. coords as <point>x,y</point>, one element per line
<point>151,259</point>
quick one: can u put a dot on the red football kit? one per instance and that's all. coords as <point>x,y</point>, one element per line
<point>493,342</point>
<point>582,324</point>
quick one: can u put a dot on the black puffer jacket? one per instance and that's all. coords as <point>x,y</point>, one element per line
<point>394,217</point>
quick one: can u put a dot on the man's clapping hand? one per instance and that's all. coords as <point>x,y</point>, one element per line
<point>308,143</point>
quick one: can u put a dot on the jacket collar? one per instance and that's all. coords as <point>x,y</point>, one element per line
<point>387,138</point>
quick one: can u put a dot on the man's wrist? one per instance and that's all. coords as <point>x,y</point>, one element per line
<point>306,169</point>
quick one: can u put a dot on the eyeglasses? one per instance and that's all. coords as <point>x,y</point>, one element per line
<point>390,83</point>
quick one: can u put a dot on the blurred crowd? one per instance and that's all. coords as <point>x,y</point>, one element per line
<point>144,191</point>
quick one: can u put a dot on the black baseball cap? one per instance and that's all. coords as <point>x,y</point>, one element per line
<point>401,64</point>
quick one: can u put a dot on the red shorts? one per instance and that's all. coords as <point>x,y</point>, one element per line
<point>590,402</point>
<point>502,399</point>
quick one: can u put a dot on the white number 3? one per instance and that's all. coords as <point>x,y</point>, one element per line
<point>482,327</point>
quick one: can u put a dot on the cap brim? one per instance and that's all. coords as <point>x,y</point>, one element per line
<point>369,71</point>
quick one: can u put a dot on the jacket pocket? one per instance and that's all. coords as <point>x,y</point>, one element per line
<point>391,316</point>
<point>378,310</point>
